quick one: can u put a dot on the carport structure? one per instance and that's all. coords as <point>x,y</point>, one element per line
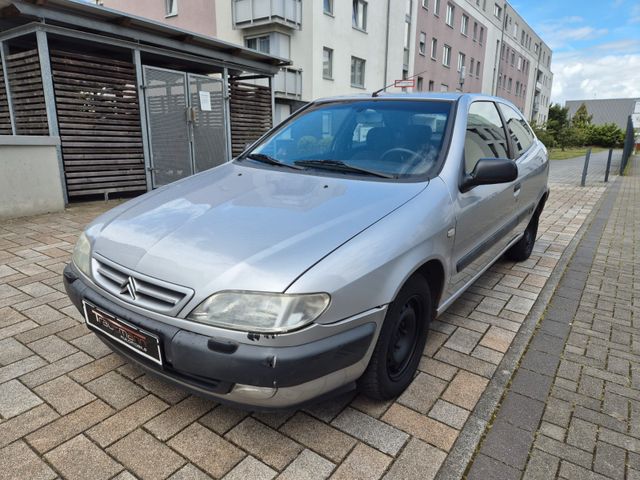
<point>136,104</point>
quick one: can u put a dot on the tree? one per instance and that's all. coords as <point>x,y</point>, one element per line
<point>558,125</point>
<point>581,126</point>
<point>582,119</point>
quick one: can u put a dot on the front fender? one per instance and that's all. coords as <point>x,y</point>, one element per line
<point>369,270</point>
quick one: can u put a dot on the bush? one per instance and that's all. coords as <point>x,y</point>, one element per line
<point>608,135</point>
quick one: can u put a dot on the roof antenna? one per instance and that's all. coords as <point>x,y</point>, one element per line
<point>377,92</point>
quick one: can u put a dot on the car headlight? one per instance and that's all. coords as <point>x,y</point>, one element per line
<point>259,311</point>
<point>82,255</point>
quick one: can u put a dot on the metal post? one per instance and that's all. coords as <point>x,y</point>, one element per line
<point>142,105</point>
<point>4,54</point>
<point>226,99</point>
<point>606,173</point>
<point>50,102</point>
<point>273,100</point>
<point>585,168</point>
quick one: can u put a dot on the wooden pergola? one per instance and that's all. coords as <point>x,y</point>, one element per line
<point>79,72</point>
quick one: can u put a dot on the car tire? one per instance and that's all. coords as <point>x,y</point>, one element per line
<point>401,341</point>
<point>522,249</point>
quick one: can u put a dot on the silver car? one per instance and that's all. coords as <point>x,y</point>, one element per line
<point>314,262</point>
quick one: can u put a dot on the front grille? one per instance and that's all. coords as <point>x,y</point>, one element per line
<point>138,289</point>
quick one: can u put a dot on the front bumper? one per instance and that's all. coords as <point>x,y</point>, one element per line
<point>245,374</point>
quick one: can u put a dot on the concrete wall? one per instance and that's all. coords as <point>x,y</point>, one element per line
<point>29,176</point>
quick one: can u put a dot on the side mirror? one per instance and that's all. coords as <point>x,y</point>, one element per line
<point>489,171</point>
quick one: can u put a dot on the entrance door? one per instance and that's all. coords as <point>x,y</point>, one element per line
<point>186,123</point>
<point>208,130</point>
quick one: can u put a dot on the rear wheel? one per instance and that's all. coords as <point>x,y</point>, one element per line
<point>401,342</point>
<point>522,249</point>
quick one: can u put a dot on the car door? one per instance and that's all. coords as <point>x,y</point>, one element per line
<point>485,213</point>
<point>531,163</point>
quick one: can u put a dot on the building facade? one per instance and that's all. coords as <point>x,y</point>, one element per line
<point>340,47</point>
<point>483,46</point>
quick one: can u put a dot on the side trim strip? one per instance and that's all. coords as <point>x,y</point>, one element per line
<point>465,261</point>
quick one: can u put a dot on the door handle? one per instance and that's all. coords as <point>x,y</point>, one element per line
<point>516,189</point>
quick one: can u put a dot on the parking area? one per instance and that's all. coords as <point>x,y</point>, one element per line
<point>70,408</point>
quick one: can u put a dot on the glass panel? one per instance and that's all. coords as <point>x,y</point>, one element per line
<point>485,136</point>
<point>399,138</point>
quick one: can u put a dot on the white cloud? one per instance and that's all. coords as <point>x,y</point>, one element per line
<point>583,75</point>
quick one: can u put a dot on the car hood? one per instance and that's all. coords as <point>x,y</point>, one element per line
<point>239,227</point>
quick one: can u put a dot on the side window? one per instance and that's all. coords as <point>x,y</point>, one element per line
<point>518,130</point>
<point>485,136</point>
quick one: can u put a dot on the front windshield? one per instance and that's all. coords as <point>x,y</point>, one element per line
<point>390,138</point>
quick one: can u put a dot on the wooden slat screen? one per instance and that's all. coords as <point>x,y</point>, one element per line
<point>27,95</point>
<point>99,122</point>
<point>5,119</point>
<point>251,115</point>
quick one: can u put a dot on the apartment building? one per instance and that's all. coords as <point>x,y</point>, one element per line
<point>483,46</point>
<point>339,47</point>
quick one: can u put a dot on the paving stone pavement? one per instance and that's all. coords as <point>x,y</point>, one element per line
<point>573,407</point>
<point>71,408</point>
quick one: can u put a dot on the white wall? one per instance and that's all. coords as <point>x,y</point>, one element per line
<point>29,176</point>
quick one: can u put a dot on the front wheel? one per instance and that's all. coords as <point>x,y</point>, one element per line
<point>399,347</point>
<point>521,250</point>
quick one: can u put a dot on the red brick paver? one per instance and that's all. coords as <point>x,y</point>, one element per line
<point>69,407</point>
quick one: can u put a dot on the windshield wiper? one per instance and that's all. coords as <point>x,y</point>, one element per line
<point>261,157</point>
<point>341,166</point>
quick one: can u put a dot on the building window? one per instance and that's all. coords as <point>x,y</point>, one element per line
<point>475,31</point>
<point>497,10</point>
<point>481,38</point>
<point>422,44</point>
<point>434,48</point>
<point>436,8</point>
<point>464,25</point>
<point>328,7</point>
<point>425,4</point>
<point>171,8</point>
<point>446,56</point>
<point>327,63</point>
<point>450,14</point>
<point>513,58</point>
<point>261,44</point>
<point>360,14</point>
<point>444,87</point>
<point>431,85</point>
<point>420,83</point>
<point>519,62</point>
<point>357,72</point>
<point>461,59</point>
<point>471,64</point>
<point>478,69</point>
<point>509,85</point>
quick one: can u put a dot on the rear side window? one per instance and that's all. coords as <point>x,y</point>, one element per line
<point>485,136</point>
<point>518,130</point>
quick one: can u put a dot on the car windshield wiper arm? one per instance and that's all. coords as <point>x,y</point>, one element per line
<point>339,165</point>
<point>261,157</point>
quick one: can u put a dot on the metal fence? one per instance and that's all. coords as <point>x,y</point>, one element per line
<point>629,145</point>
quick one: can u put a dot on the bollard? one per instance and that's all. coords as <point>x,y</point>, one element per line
<point>586,167</point>
<point>606,173</point>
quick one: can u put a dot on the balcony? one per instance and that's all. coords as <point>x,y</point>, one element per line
<point>253,13</point>
<point>539,86</point>
<point>287,83</point>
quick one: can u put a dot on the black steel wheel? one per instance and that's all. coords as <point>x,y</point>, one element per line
<point>401,341</point>
<point>522,249</point>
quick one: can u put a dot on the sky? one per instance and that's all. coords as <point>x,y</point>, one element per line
<point>595,43</point>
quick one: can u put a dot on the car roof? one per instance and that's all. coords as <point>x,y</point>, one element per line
<point>445,96</point>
